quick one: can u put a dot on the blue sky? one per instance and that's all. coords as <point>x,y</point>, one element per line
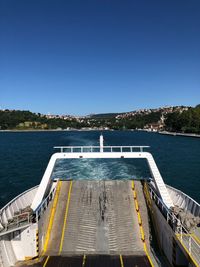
<point>82,57</point>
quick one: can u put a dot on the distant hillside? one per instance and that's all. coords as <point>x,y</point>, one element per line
<point>24,120</point>
<point>178,118</point>
<point>104,115</point>
<point>187,121</point>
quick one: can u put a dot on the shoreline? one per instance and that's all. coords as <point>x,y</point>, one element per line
<point>180,134</point>
<point>85,130</point>
<point>53,130</point>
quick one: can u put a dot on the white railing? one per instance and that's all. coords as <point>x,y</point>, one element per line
<point>93,149</point>
<point>191,246</point>
<point>25,218</point>
<point>18,221</point>
<point>43,206</point>
<point>17,197</point>
<point>20,216</point>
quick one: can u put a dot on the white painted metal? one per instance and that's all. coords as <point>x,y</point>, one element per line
<point>189,243</point>
<point>46,180</point>
<point>101,143</point>
<point>4,217</point>
<point>18,245</point>
<point>41,209</point>
<point>4,255</point>
<point>27,194</point>
<point>25,244</point>
<point>89,149</point>
<point>1,227</point>
<point>184,201</point>
<point>8,212</point>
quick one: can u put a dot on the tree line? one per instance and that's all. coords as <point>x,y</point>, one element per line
<point>17,119</point>
<point>27,120</point>
<point>185,122</point>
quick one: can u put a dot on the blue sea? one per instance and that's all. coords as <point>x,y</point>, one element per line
<point>25,155</point>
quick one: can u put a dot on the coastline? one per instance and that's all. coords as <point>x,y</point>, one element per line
<point>30,130</point>
<point>96,129</point>
<point>53,130</point>
<point>180,134</point>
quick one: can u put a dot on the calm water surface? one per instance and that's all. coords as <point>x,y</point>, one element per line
<point>24,157</point>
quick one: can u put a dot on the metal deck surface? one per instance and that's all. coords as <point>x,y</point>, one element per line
<point>94,224</point>
<point>96,217</point>
<point>93,261</point>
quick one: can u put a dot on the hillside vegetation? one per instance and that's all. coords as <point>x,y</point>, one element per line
<point>187,121</point>
<point>27,120</point>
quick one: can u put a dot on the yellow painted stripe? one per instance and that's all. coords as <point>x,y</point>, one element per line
<point>196,238</point>
<point>136,205</point>
<point>140,224</point>
<point>45,263</point>
<point>148,256</point>
<point>65,218</point>
<point>52,214</point>
<point>193,260</point>
<point>139,218</point>
<point>142,233</point>
<point>183,234</point>
<point>84,260</point>
<point>147,195</point>
<point>193,236</point>
<point>121,261</point>
<point>133,185</point>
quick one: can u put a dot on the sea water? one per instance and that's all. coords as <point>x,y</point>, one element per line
<point>25,155</point>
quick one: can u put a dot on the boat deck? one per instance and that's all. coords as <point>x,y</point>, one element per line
<point>92,223</point>
<point>95,217</point>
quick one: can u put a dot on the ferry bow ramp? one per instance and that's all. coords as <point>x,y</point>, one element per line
<point>94,223</point>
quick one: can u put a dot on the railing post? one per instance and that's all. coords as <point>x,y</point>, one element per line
<point>190,244</point>
<point>37,216</point>
<point>181,230</point>
<point>45,204</point>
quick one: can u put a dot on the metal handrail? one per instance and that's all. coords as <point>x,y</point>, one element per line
<point>176,226</point>
<point>15,221</point>
<point>27,217</point>
<point>44,204</point>
<point>14,199</point>
<point>18,220</point>
<point>90,149</point>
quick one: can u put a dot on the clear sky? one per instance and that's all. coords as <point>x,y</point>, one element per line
<point>82,57</point>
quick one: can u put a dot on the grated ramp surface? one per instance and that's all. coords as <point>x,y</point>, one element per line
<point>101,220</point>
<point>92,261</point>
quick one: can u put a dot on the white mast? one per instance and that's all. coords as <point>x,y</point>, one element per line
<point>101,143</point>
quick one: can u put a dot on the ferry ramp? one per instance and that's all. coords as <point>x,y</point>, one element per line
<point>92,261</point>
<point>93,223</point>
